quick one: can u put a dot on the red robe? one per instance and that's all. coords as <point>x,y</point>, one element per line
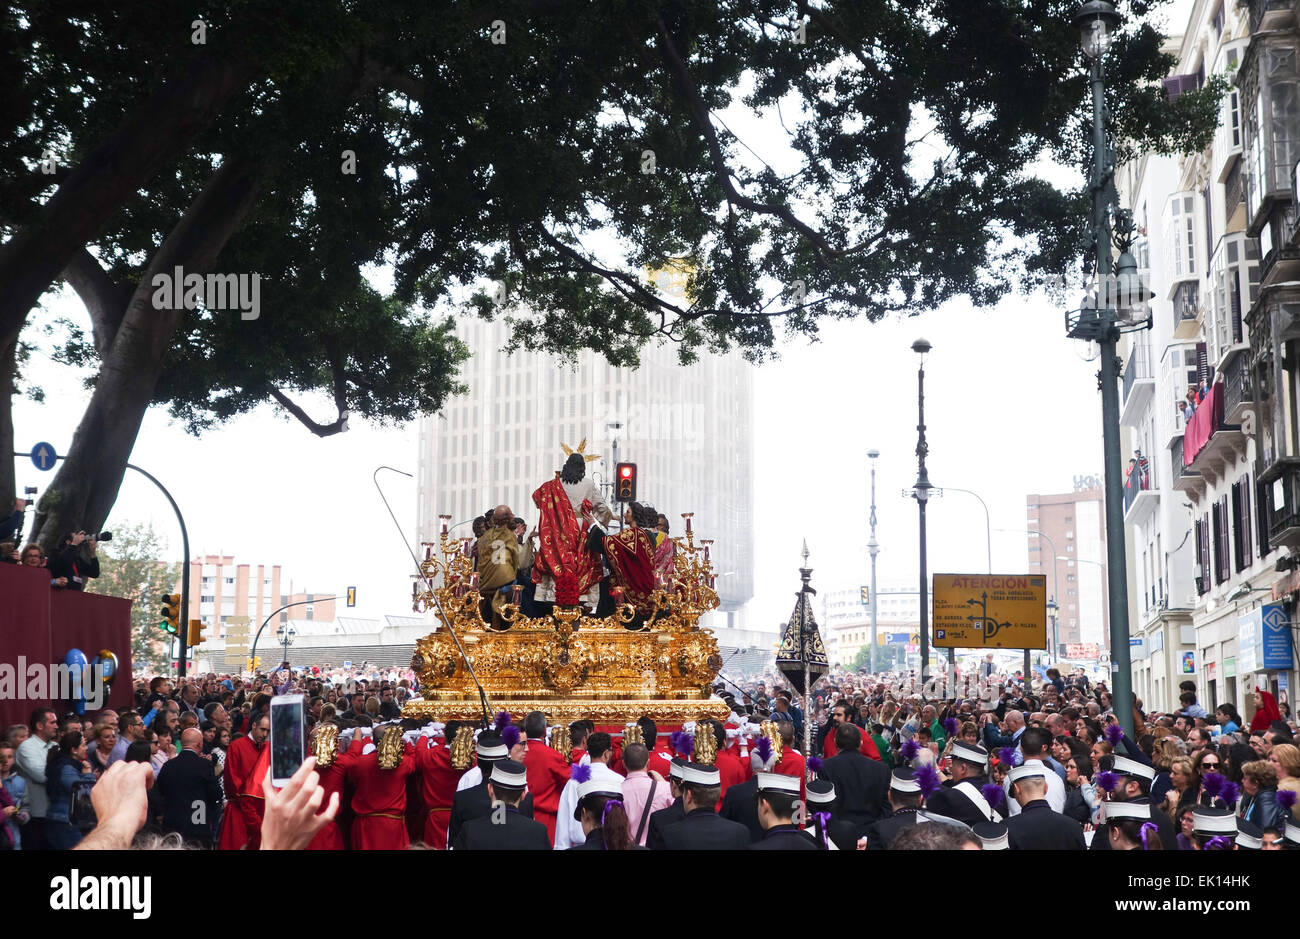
<point>379,800</point>
<point>246,768</point>
<point>438,779</point>
<point>548,773</point>
<point>792,764</point>
<point>660,760</point>
<point>730,768</point>
<point>868,747</point>
<point>562,550</point>
<point>332,778</point>
<point>631,557</point>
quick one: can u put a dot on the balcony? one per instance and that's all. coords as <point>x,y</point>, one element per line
<point>1183,479</point>
<point>1283,497</point>
<point>1187,309</point>
<point>1238,394</point>
<point>1210,442</point>
<point>1270,12</point>
<point>1139,385</point>
<point>1140,497</point>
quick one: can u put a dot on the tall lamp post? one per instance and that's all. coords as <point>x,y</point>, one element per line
<point>921,493</point>
<point>1117,300</point>
<point>1053,606</point>
<point>873,548</point>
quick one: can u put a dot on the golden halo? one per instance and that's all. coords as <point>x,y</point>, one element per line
<point>580,451</point>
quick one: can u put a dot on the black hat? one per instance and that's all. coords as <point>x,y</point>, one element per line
<point>992,835</point>
<point>820,792</point>
<point>507,774</point>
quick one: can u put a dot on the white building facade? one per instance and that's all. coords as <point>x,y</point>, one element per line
<point>1203,533</point>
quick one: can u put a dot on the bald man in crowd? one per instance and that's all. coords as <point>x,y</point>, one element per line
<point>189,791</point>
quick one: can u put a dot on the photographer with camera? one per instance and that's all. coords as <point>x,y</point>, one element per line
<point>75,560</point>
<point>11,528</point>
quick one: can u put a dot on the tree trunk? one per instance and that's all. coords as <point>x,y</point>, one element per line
<point>87,483</point>
<point>155,134</point>
<point>8,366</point>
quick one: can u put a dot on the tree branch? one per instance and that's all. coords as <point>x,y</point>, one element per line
<point>105,299</point>
<point>320,430</point>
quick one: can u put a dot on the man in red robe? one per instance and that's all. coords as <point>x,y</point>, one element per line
<point>438,779</point>
<point>548,772</point>
<point>247,763</point>
<point>332,767</point>
<point>840,715</point>
<point>379,797</point>
<point>792,761</point>
<point>728,761</point>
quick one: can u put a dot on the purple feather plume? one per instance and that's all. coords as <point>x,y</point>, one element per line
<point>675,736</point>
<point>992,794</point>
<point>1231,793</point>
<point>1212,784</point>
<point>909,750</point>
<point>1286,799</point>
<point>510,736</point>
<point>686,743</point>
<point>1007,755</point>
<point>1107,781</point>
<point>928,780</point>
<point>502,719</point>
<point>1114,733</point>
<point>950,726</point>
<point>764,749</point>
<point>580,773</point>
<point>815,764</point>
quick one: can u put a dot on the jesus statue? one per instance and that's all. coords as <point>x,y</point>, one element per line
<point>564,569</point>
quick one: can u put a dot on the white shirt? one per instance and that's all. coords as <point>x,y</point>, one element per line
<point>470,778</point>
<point>568,831</point>
<point>1055,790</point>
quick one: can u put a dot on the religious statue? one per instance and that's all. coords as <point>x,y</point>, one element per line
<point>630,554</point>
<point>565,570</point>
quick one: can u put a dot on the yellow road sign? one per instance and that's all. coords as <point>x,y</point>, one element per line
<point>990,611</point>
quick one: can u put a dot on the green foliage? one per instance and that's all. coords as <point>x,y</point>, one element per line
<point>132,566</point>
<point>862,659</point>
<point>521,164</point>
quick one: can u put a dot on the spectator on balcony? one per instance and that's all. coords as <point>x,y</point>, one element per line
<point>33,556</point>
<point>1193,399</point>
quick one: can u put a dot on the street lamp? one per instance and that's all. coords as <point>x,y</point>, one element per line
<point>921,493</point>
<point>286,635</point>
<point>1101,320</point>
<point>873,548</point>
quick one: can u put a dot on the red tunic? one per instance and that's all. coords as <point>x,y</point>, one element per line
<point>379,800</point>
<point>792,764</point>
<point>730,768</point>
<point>660,760</point>
<point>548,772</point>
<point>438,779</point>
<point>246,768</point>
<point>868,747</point>
<point>330,838</point>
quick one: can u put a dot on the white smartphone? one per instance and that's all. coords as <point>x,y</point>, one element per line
<point>288,741</point>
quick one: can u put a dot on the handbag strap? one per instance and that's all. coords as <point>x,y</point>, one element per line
<point>645,812</point>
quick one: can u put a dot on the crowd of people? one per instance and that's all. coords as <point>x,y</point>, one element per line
<point>69,567</point>
<point>996,763</point>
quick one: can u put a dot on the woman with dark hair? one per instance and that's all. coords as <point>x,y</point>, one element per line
<point>65,766</point>
<point>1235,756</point>
<point>604,820</point>
<point>1131,828</point>
<point>1080,792</point>
<point>1185,820</point>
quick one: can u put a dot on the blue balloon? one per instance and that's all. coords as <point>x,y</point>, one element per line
<point>76,662</point>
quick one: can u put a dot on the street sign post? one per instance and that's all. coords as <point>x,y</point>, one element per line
<point>44,456</point>
<point>990,611</point>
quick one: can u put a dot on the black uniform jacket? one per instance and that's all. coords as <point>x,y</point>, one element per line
<point>704,830</point>
<point>516,832</point>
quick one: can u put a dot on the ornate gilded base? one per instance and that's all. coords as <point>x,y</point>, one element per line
<point>568,664</point>
<point>567,710</point>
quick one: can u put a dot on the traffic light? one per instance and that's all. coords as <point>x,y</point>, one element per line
<point>196,633</point>
<point>625,482</point>
<point>171,613</point>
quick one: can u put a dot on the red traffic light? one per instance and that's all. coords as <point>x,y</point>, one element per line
<point>625,471</point>
<point>625,483</point>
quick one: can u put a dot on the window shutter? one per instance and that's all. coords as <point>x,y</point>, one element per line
<point>1262,519</point>
<point>1202,364</point>
<point>1225,561</point>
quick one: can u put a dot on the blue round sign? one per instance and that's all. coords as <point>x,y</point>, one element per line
<point>44,457</point>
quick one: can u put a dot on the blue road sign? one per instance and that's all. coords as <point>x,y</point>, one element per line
<point>43,456</point>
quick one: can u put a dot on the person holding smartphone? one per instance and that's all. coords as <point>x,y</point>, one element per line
<point>74,562</point>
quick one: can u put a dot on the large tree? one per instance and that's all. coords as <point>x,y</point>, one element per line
<point>531,160</point>
<point>132,566</point>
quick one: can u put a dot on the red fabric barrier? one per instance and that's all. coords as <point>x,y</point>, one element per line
<point>40,624</point>
<point>1204,422</point>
